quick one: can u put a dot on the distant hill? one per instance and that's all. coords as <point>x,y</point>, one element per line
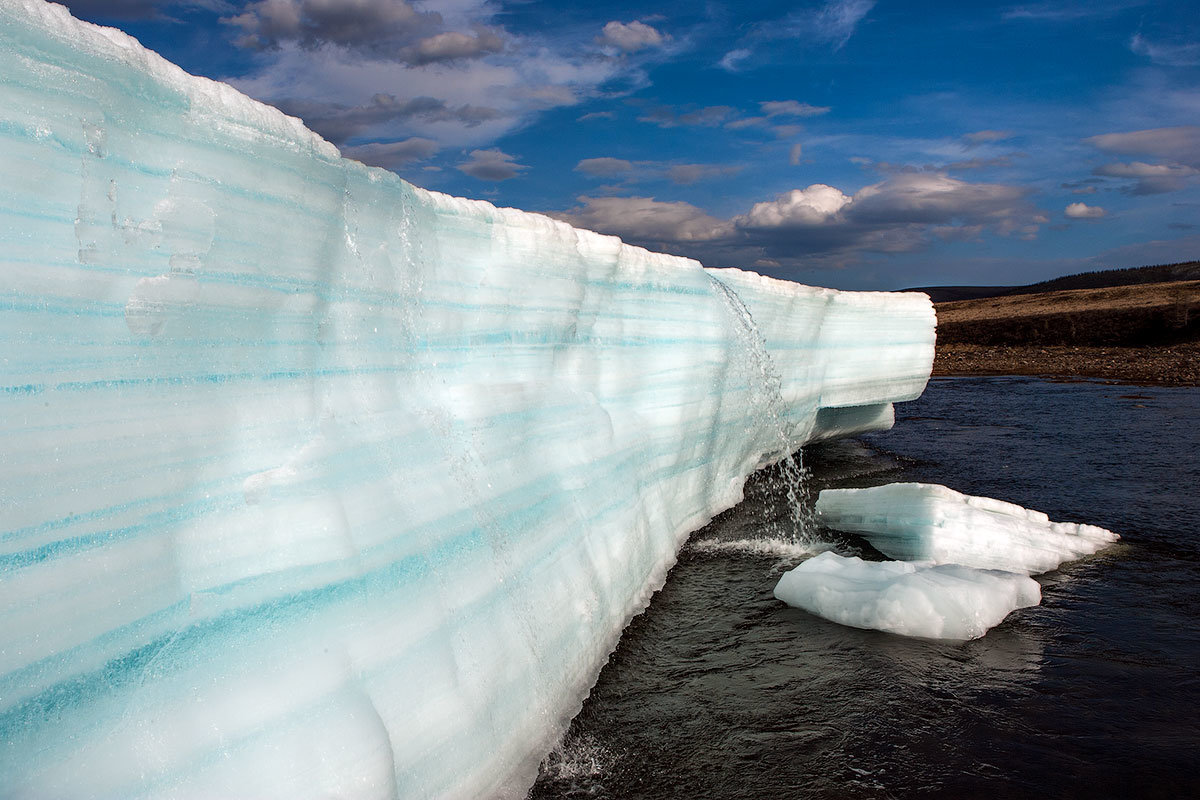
<point>1150,314</point>
<point>1098,279</point>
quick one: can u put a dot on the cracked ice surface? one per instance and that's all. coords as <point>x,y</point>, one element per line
<point>314,483</point>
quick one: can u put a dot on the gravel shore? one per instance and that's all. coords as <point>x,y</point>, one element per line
<point>1174,365</point>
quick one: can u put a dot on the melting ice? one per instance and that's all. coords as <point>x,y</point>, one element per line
<point>971,558</point>
<point>928,522</point>
<point>315,483</point>
<point>934,602</point>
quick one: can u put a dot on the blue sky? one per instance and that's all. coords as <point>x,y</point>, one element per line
<point>847,143</point>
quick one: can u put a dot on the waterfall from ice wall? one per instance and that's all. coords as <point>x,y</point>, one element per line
<point>317,483</point>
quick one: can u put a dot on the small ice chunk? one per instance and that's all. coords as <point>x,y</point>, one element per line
<point>933,602</point>
<point>928,522</point>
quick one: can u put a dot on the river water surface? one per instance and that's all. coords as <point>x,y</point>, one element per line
<point>720,691</point>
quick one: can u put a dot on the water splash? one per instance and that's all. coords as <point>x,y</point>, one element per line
<point>770,412</point>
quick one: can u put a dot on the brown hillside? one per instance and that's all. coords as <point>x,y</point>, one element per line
<point>1129,316</point>
<point>1146,333</point>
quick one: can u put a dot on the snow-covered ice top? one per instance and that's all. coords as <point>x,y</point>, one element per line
<point>314,483</point>
<point>928,522</point>
<point>933,602</point>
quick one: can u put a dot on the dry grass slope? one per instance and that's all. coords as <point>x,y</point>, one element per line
<point>1146,333</point>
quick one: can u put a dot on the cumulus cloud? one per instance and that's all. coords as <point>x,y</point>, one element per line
<point>492,164</point>
<point>451,46</point>
<point>326,61</point>
<point>929,198</point>
<point>393,155</point>
<point>1151,178</point>
<point>373,25</point>
<point>604,167</point>
<point>630,37</point>
<point>338,123</point>
<point>1180,144</point>
<point>903,213</point>
<point>1084,211</point>
<point>646,220</point>
<point>799,208</point>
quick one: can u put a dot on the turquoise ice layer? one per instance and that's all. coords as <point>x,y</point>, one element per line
<point>315,483</point>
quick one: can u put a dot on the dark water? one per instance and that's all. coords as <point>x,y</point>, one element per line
<point>720,691</point>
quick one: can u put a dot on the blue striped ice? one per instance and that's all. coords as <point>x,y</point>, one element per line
<point>929,522</point>
<point>317,484</point>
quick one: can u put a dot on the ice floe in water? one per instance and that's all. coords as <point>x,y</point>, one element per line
<point>930,601</point>
<point>929,522</point>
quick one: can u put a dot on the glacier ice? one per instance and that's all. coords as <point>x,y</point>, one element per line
<point>912,599</point>
<point>315,483</point>
<point>928,522</point>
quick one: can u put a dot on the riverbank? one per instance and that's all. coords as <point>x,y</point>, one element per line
<point>1175,365</point>
<point>1146,333</point>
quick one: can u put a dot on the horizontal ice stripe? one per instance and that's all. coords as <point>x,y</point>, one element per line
<point>316,483</point>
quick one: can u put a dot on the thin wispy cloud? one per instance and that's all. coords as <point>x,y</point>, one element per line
<point>830,24</point>
<point>1173,54</point>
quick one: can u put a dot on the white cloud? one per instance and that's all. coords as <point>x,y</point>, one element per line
<point>795,154</point>
<point>1172,54</point>
<point>644,219</point>
<point>986,136</point>
<point>380,26</point>
<point>475,80</point>
<point>491,165</point>
<point>837,20</point>
<point>1181,143</point>
<point>451,46</point>
<point>1151,178</point>
<point>901,214</point>
<point>630,37</point>
<point>1084,211</point>
<point>393,155</point>
<point>816,205</point>
<point>929,198</point>
<point>604,167</point>
<point>791,108</point>
<point>668,117</point>
<point>732,61</point>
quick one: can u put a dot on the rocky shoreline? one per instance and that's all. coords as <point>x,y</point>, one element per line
<point>1172,365</point>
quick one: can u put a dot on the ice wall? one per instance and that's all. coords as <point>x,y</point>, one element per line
<point>316,483</point>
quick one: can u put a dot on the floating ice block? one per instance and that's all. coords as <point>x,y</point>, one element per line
<point>932,602</point>
<point>928,522</point>
<point>314,483</point>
